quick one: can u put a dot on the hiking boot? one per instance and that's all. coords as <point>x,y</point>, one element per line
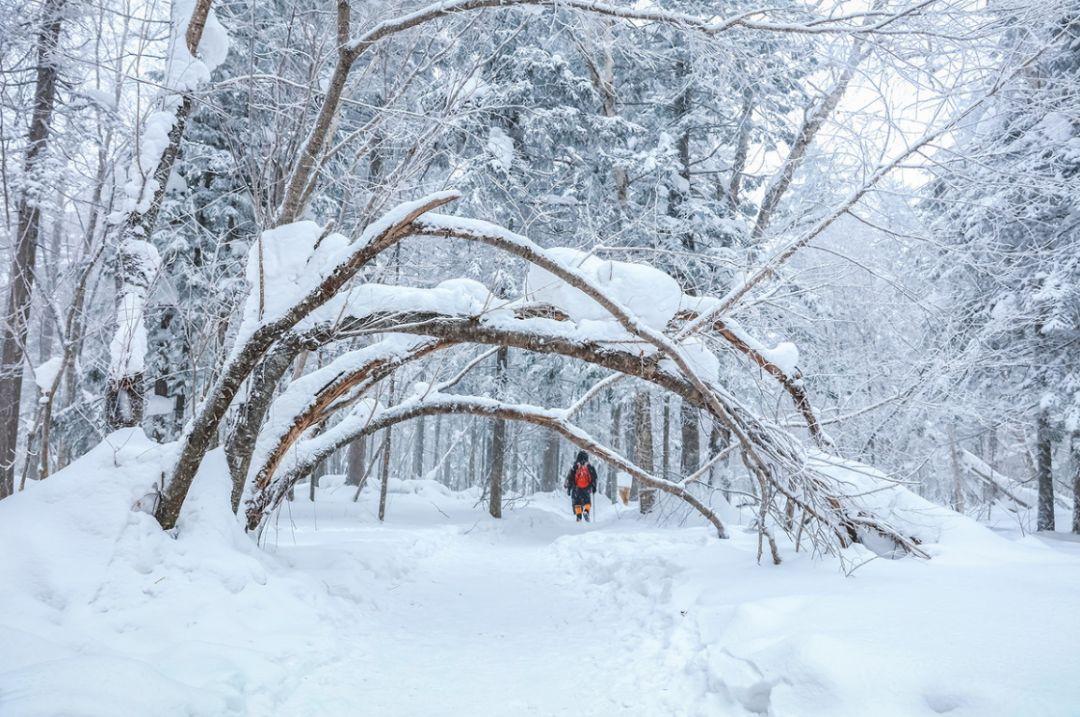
<point>586,517</point>
<point>579,517</point>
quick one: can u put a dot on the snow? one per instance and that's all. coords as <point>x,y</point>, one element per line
<point>153,140</point>
<point>45,373</point>
<point>501,148</point>
<point>156,405</point>
<point>183,74</point>
<point>648,292</point>
<point>785,355</point>
<point>700,358</point>
<point>1057,127</point>
<point>288,262</point>
<point>453,297</point>
<point>443,610</point>
<point>127,350</point>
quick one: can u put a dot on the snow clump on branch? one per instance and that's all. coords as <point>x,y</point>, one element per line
<point>650,294</point>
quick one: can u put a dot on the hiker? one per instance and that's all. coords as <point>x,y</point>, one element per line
<point>580,486</point>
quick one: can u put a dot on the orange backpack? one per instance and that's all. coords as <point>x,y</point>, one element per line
<point>581,477</point>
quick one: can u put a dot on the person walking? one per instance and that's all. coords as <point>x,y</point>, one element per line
<point>580,485</point>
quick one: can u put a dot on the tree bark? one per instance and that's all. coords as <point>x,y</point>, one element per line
<point>957,470</point>
<point>384,472</point>
<point>616,444</point>
<point>691,451</point>
<point>418,450</point>
<point>1044,449</point>
<point>1076,483</point>
<point>357,462</point>
<point>498,441</point>
<point>665,450</point>
<point>549,466</point>
<point>738,163</point>
<point>28,229</point>
<point>643,447</point>
<point>439,462</point>
<point>240,441</point>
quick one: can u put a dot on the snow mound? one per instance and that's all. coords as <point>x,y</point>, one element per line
<point>649,293</point>
<point>939,529</point>
<point>417,486</point>
<point>103,613</point>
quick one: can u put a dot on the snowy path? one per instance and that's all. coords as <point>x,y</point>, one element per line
<point>444,611</point>
<point>483,623</point>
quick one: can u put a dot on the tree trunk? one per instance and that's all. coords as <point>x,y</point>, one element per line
<point>244,430</point>
<point>384,467</point>
<point>957,471</point>
<point>418,450</point>
<point>438,450</point>
<point>1076,483</point>
<point>720,439</point>
<point>616,444</point>
<point>691,451</point>
<point>473,440</point>
<point>1044,472</point>
<point>384,472</point>
<point>28,228</point>
<point>549,467</point>
<point>643,447</point>
<point>815,115</point>
<point>357,462</point>
<point>665,450</point>
<point>989,492</point>
<point>498,441</point>
<point>738,164</point>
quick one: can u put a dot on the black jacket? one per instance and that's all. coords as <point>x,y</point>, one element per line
<point>571,483</point>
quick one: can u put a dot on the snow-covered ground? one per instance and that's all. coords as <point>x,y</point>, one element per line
<point>445,611</point>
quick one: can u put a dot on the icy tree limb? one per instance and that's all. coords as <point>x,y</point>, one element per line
<point>823,502</point>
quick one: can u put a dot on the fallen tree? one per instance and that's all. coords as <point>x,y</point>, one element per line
<point>772,455</point>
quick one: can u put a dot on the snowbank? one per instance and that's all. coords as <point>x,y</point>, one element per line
<point>102,613</point>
